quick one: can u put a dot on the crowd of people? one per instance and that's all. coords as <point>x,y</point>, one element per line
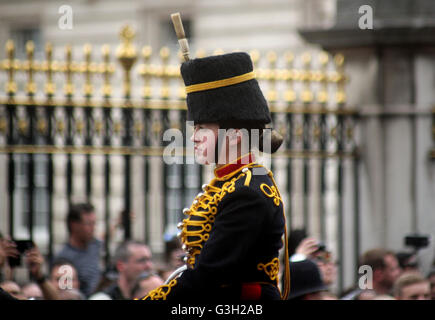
<point>76,274</point>
<point>392,276</point>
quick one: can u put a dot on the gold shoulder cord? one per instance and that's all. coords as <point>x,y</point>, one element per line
<point>286,292</point>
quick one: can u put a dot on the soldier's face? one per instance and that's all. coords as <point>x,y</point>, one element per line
<point>205,138</point>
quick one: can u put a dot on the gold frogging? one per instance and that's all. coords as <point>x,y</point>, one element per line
<point>195,232</point>
<point>271,268</point>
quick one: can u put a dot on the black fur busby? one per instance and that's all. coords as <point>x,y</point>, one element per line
<point>240,102</point>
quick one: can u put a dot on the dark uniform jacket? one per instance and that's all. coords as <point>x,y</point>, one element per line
<point>232,234</point>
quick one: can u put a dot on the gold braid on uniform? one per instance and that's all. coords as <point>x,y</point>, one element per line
<point>161,292</point>
<point>205,207</point>
<point>272,192</point>
<point>271,268</point>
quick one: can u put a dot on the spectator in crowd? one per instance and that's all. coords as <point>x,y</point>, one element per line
<point>326,264</point>
<point>173,253</point>
<point>63,275</point>
<point>164,271</point>
<point>411,286</point>
<point>145,283</point>
<point>35,261</point>
<point>355,293</point>
<point>383,297</point>
<point>327,295</point>
<point>302,247</point>
<point>13,289</point>
<point>174,256</point>
<point>5,295</point>
<point>108,277</point>
<point>305,281</point>
<point>31,291</point>
<point>294,246</point>
<point>431,278</point>
<point>385,268</point>
<point>7,249</point>
<point>366,294</point>
<point>82,248</point>
<point>71,294</point>
<point>131,259</point>
<point>408,261</point>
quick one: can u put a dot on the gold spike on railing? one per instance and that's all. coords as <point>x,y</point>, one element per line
<point>341,79</point>
<point>69,69</point>
<point>290,95</point>
<point>200,53</point>
<point>164,56</point>
<point>3,124</point>
<point>49,66</point>
<point>218,52</point>
<point>272,76</point>
<point>126,54</point>
<point>255,57</point>
<point>298,82</point>
<point>106,69</point>
<point>322,96</point>
<point>307,94</point>
<point>88,68</point>
<point>146,72</point>
<point>10,65</point>
<point>30,67</point>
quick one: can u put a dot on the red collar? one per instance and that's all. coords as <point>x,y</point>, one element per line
<point>234,166</point>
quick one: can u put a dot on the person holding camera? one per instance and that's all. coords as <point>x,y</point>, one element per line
<point>311,248</point>
<point>9,250</point>
<point>35,261</point>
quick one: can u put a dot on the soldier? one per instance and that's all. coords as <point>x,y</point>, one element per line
<point>234,228</point>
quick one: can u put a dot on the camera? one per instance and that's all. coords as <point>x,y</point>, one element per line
<point>22,246</point>
<point>417,241</point>
<point>321,247</point>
